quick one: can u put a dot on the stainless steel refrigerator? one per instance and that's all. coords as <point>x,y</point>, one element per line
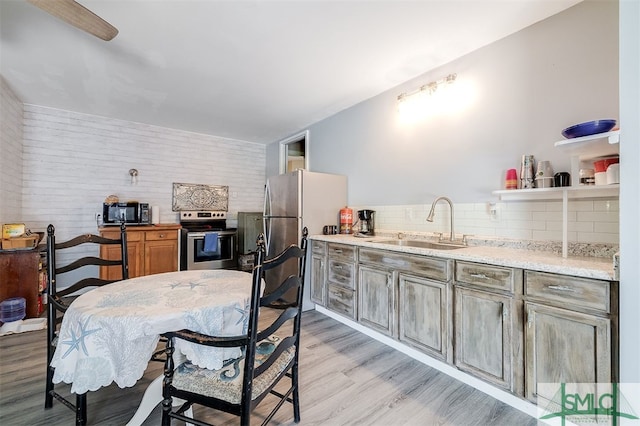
<point>296,200</point>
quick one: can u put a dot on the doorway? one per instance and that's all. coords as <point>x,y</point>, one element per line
<point>294,153</point>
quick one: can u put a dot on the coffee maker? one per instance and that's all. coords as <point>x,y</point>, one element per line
<point>366,223</point>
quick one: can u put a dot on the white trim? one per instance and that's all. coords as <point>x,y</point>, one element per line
<point>503,396</point>
<point>283,152</point>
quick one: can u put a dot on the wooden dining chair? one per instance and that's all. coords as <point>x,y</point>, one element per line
<point>58,300</point>
<point>270,350</point>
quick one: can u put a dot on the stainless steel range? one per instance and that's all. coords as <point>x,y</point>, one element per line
<point>205,241</point>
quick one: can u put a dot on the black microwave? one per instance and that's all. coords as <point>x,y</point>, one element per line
<point>131,213</point>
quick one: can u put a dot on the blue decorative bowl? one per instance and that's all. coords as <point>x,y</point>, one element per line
<point>588,128</point>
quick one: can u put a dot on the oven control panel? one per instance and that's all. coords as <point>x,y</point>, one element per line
<point>191,216</point>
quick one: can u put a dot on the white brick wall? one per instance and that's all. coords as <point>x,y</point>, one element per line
<point>73,161</point>
<point>589,221</point>
<point>10,155</point>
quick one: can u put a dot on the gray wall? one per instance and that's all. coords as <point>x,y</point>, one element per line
<point>529,86</point>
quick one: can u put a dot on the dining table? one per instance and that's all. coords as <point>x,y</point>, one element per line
<point>110,333</point>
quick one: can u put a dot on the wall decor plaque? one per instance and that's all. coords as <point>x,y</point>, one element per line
<point>192,196</point>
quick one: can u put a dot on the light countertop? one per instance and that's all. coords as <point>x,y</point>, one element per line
<point>545,261</point>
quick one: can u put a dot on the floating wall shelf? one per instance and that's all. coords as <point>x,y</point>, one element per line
<point>573,193</point>
<point>581,149</point>
<point>588,148</point>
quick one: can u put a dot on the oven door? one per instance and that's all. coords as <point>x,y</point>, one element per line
<point>222,257</point>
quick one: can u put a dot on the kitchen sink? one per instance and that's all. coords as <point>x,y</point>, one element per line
<point>421,244</point>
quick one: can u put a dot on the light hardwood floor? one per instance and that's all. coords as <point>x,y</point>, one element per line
<point>347,378</point>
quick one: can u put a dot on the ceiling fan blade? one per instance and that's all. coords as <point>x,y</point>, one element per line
<point>79,16</point>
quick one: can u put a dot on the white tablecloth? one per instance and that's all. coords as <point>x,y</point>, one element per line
<point>110,333</point>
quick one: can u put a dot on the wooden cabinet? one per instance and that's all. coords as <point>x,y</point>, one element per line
<point>20,277</point>
<point>510,327</point>
<point>151,250</point>
<point>160,251</point>
<point>318,264</point>
<point>376,298</point>
<point>570,332</point>
<point>424,315</point>
<point>487,317</point>
<point>341,279</point>
<point>407,297</point>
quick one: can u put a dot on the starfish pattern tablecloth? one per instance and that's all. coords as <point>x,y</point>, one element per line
<point>110,333</point>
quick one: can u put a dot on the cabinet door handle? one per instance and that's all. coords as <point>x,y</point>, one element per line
<point>389,280</point>
<point>161,235</point>
<point>480,276</point>
<point>529,319</point>
<point>337,266</point>
<point>337,250</point>
<point>561,288</point>
<point>505,311</point>
<point>393,261</point>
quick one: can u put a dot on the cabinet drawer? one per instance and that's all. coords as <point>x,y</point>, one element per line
<point>318,247</point>
<point>341,300</point>
<point>161,235</point>
<point>561,289</point>
<point>487,276</point>
<point>342,273</point>
<point>131,235</point>
<point>428,267</point>
<point>342,251</point>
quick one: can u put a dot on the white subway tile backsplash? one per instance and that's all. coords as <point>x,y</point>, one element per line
<point>578,206</point>
<point>605,227</point>
<point>599,216</point>
<point>606,205</point>
<point>588,221</point>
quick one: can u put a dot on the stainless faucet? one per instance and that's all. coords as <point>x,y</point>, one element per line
<point>432,212</point>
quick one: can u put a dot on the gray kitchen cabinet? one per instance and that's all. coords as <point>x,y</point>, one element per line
<point>340,279</point>
<point>510,327</point>
<point>483,335</point>
<point>376,298</point>
<point>406,296</point>
<point>570,332</point>
<point>318,267</point>
<point>487,319</point>
<point>424,313</point>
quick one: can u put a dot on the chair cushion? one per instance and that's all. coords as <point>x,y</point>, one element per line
<point>226,383</point>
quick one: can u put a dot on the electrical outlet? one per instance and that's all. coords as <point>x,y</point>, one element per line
<point>492,209</point>
<point>408,215</point>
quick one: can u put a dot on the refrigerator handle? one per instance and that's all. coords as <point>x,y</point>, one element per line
<point>267,199</point>
<point>265,218</point>
<point>267,232</point>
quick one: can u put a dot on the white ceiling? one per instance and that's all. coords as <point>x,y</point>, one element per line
<point>250,70</point>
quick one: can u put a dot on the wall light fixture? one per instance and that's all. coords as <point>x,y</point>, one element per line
<point>134,176</point>
<point>421,100</point>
